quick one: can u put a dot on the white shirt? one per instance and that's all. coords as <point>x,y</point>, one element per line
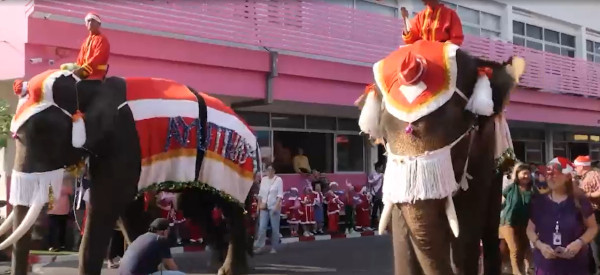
<point>270,190</point>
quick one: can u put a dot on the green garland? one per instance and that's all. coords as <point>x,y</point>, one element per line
<point>175,186</point>
<point>506,161</point>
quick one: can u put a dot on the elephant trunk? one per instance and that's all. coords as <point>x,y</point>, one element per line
<point>5,226</point>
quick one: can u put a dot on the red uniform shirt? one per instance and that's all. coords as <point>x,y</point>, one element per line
<point>439,23</point>
<point>93,56</point>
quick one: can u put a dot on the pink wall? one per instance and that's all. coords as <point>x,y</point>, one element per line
<point>299,181</point>
<point>13,35</point>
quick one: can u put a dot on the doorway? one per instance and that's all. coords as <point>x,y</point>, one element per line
<point>578,149</point>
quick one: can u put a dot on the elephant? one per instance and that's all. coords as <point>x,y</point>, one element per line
<point>138,135</point>
<point>436,110</point>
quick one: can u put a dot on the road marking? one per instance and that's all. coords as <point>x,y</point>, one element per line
<point>296,268</point>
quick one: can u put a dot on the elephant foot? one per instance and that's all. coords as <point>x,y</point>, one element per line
<point>230,269</point>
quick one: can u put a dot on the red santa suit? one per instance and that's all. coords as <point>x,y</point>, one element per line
<point>294,209</point>
<point>93,54</point>
<point>334,204</point>
<point>308,207</point>
<point>362,209</point>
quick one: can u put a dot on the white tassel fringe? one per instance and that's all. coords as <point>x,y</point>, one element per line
<point>78,136</point>
<point>481,101</point>
<point>27,188</point>
<point>369,116</point>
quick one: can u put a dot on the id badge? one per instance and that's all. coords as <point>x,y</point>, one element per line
<point>556,238</point>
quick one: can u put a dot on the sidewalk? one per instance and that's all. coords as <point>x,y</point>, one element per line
<point>43,258</point>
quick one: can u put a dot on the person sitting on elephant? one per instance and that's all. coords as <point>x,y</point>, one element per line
<point>148,251</point>
<point>562,224</point>
<point>92,60</point>
<point>435,23</point>
<point>516,198</point>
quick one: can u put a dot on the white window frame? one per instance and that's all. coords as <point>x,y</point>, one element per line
<point>480,27</point>
<point>544,42</point>
<point>595,55</point>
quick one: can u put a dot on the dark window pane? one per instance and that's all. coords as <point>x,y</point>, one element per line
<point>350,153</point>
<point>567,40</point>
<point>551,36</point>
<point>320,122</point>
<point>597,59</point>
<point>534,45</point>
<point>287,121</point>
<point>567,52</point>
<point>263,138</point>
<point>533,31</point>
<point>518,28</point>
<point>255,118</point>
<point>518,41</point>
<point>589,46</point>
<point>590,57</point>
<point>348,124</point>
<point>596,47</point>
<point>317,147</point>
<point>552,49</point>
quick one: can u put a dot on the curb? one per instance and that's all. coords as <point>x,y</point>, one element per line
<point>42,260</point>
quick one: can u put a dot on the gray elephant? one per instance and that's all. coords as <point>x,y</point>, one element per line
<point>438,111</point>
<point>140,134</point>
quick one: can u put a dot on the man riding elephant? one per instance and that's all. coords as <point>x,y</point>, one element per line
<point>140,134</point>
<point>92,60</point>
<point>434,107</point>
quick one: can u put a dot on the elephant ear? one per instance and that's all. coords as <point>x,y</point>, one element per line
<point>516,67</point>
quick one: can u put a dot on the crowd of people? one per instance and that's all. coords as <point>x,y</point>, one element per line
<point>549,218</point>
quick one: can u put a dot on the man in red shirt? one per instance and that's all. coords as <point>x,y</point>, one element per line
<point>92,61</point>
<point>435,23</point>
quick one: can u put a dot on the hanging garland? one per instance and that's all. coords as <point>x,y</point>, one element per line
<point>506,161</point>
<point>174,186</point>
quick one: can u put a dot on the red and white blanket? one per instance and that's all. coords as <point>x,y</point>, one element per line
<point>184,140</point>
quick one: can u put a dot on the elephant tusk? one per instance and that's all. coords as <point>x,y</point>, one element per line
<point>25,225</point>
<point>451,214</point>
<point>386,214</point>
<point>7,224</point>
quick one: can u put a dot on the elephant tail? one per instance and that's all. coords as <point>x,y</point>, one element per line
<point>386,214</point>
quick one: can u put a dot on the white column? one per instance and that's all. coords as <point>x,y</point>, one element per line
<point>580,50</point>
<point>506,27</point>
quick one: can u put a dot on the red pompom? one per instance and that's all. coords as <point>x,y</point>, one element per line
<point>18,86</point>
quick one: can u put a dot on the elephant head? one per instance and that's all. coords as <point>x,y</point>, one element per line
<point>427,101</point>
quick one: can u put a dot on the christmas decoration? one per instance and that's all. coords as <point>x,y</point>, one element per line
<point>506,161</point>
<point>172,186</point>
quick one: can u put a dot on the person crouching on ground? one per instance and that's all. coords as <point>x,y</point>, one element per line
<point>148,251</point>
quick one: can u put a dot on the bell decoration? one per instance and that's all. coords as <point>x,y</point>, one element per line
<point>409,129</point>
<point>78,135</point>
<point>50,198</point>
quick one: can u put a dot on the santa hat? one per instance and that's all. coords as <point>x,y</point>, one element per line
<point>93,16</point>
<point>357,189</point>
<point>294,189</point>
<point>333,183</point>
<point>565,165</point>
<point>411,71</point>
<point>583,161</point>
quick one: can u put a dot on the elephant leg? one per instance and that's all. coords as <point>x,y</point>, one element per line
<point>491,242</point>
<point>430,235</point>
<point>20,253</point>
<point>98,232</point>
<point>236,261</point>
<point>405,260</point>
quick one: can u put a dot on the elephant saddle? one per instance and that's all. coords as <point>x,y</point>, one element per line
<point>189,139</point>
<point>417,79</point>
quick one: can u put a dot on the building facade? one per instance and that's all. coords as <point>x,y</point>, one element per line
<point>293,68</point>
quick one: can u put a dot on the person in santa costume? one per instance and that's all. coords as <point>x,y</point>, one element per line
<point>362,209</point>
<point>319,211</point>
<point>294,212</point>
<point>308,209</point>
<point>435,23</point>
<point>334,205</point>
<point>92,60</point>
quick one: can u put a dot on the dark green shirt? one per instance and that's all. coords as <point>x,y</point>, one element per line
<point>515,209</point>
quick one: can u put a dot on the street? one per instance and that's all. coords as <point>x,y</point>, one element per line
<point>356,256</point>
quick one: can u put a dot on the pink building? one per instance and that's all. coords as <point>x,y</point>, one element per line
<point>292,68</point>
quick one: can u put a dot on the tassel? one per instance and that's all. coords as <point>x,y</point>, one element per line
<point>369,116</point>
<point>78,136</point>
<point>50,198</point>
<point>481,102</point>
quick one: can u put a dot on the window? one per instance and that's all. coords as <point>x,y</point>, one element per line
<point>593,51</point>
<point>255,118</point>
<point>287,121</point>
<point>348,124</point>
<point>264,142</point>
<point>382,7</point>
<point>595,151</point>
<point>320,123</point>
<point>318,147</point>
<point>350,153</point>
<point>476,22</point>
<point>538,38</point>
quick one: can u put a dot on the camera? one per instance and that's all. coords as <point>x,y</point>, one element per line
<point>51,62</point>
<point>35,60</point>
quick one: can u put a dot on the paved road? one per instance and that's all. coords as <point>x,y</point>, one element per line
<point>358,256</point>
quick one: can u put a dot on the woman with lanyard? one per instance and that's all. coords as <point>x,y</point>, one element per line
<point>561,224</point>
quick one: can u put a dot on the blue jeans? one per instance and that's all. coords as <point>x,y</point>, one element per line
<point>168,272</point>
<point>264,217</point>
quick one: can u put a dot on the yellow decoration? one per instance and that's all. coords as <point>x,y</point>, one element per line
<point>50,198</point>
